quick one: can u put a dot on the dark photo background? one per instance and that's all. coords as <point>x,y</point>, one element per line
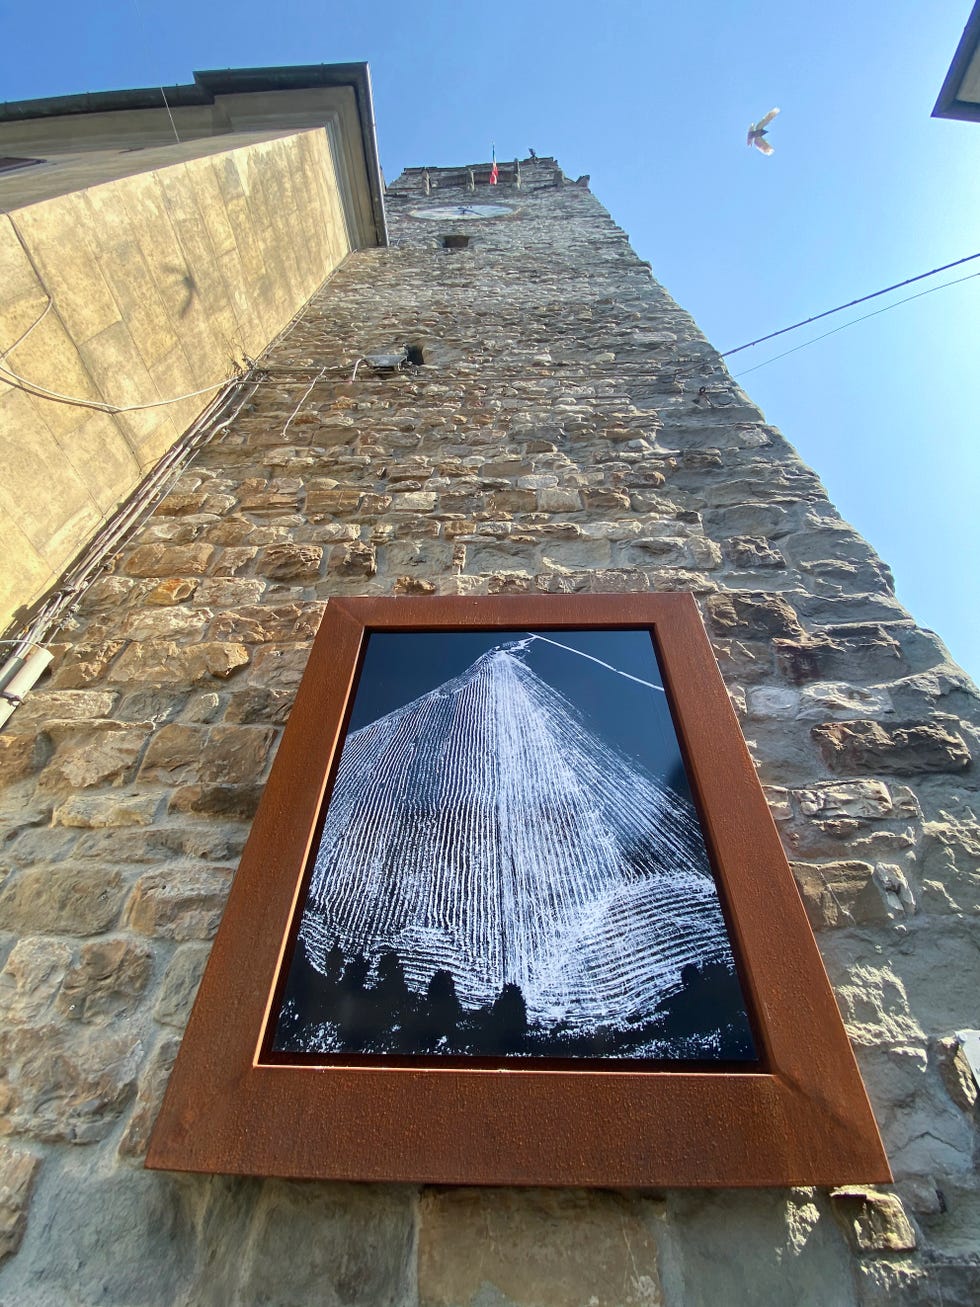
<point>346,1003</point>
<point>398,668</point>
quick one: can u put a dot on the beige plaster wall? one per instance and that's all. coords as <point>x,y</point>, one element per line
<point>159,283</point>
<point>68,164</point>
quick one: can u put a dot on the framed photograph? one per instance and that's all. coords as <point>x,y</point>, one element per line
<point>513,911</point>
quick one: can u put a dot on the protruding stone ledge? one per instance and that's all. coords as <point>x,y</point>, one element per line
<point>873,1222</point>
<point>18,1171</point>
<point>852,892</point>
<point>907,749</point>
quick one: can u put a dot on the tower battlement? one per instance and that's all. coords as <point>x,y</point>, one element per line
<point>518,174</point>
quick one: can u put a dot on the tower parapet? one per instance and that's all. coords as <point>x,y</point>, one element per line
<point>533,173</point>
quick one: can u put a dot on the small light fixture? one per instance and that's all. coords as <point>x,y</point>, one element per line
<point>391,361</point>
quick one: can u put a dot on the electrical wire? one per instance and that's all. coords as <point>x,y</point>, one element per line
<point>115,528</point>
<point>863,318</point>
<point>24,334</point>
<point>13,379</point>
<point>302,401</point>
<point>851,303</point>
<point>123,522</point>
<point>166,105</point>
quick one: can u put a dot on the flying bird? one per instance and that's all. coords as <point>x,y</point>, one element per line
<point>757,132</point>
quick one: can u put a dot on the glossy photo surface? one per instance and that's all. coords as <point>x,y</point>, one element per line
<point>511,864</point>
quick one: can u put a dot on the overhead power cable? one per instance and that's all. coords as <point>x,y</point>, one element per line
<point>863,318</point>
<point>851,303</point>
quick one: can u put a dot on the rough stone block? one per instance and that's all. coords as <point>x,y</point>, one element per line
<point>356,559</point>
<point>20,756</point>
<point>574,555</point>
<point>174,590</point>
<point>65,1083</point>
<point>177,504</point>
<point>149,1096</point>
<point>65,706</point>
<point>903,750</point>
<point>180,982</point>
<point>551,1248</point>
<point>840,893</point>
<point>305,1244</point>
<point>903,1282</point>
<point>332,501</point>
<point>103,753</point>
<point>752,519</point>
<point>753,551</point>
<point>259,706</point>
<point>559,499</point>
<point>259,623</point>
<point>231,531</point>
<point>289,562</point>
<point>173,753</point>
<point>279,667</point>
<point>865,653</point>
<point>61,900</point>
<point>414,501</point>
<point>164,662</point>
<point>126,1238</point>
<point>762,1248</point>
<point>605,498</point>
<point>272,502</point>
<point>169,560</point>
<point>109,592</point>
<point>235,755</point>
<point>99,811</point>
<point>412,585</point>
<point>956,1072</point>
<point>752,615</point>
<point>106,981</point>
<point>18,1170</point>
<point>873,1222</point>
<point>223,592</point>
<point>875,1005</point>
<point>867,800</point>
<point>510,583</point>
<point>950,865</point>
<point>832,700</point>
<point>512,501</point>
<point>183,902</point>
<point>164,622</point>
<point>233,561</point>
<point>81,665</point>
<point>31,978</point>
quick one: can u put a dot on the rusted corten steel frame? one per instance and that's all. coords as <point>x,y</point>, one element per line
<point>800,1116</point>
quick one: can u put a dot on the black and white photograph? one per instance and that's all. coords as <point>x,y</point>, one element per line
<point>511,864</point>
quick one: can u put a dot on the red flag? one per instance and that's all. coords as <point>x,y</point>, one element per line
<point>493,168</point>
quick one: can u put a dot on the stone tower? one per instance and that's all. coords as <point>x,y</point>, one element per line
<point>568,430</point>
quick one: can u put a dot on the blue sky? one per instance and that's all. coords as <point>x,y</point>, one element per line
<point>653,100</point>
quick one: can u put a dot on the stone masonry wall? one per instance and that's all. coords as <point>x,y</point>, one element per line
<point>571,430</point>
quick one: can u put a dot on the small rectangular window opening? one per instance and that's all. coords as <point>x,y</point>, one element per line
<point>455,242</point>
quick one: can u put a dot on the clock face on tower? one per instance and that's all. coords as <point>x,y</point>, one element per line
<point>461,212</point>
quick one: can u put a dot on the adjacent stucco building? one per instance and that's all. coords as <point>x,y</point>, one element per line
<point>151,243</point>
